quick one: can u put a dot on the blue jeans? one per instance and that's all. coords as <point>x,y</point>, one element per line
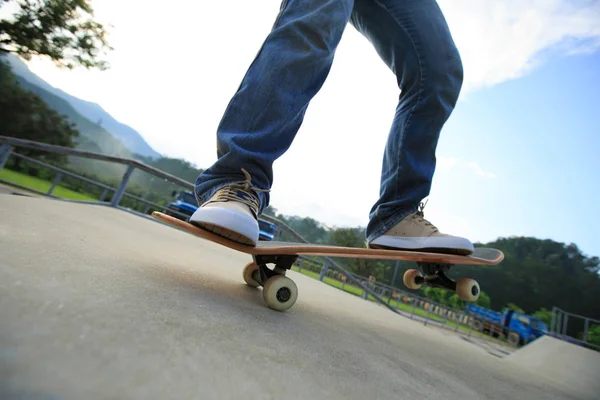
<point>264,115</point>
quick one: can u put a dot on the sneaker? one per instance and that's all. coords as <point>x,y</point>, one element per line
<point>231,212</point>
<point>414,232</point>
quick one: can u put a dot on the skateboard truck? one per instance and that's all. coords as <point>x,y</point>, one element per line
<point>279,291</point>
<point>282,263</point>
<point>434,274</point>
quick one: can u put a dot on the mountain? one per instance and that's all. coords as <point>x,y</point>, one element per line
<point>92,112</point>
<point>93,137</point>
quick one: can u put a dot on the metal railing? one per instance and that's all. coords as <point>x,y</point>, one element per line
<point>565,323</point>
<point>8,144</point>
<point>492,336</point>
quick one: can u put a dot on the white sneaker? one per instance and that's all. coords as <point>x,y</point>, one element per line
<point>232,212</point>
<point>414,232</point>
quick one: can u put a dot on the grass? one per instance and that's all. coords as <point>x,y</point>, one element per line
<point>42,185</point>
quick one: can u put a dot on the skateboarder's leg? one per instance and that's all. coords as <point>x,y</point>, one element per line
<point>267,110</point>
<point>413,39</point>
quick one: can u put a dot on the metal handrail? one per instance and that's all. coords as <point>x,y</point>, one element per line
<point>29,144</point>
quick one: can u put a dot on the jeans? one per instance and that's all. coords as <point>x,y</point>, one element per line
<point>264,115</point>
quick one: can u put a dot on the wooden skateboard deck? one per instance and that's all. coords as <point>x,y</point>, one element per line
<point>283,254</point>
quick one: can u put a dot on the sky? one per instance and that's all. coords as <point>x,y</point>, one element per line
<point>519,155</point>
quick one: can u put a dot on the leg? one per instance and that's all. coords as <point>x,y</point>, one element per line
<point>413,39</point>
<point>267,110</point>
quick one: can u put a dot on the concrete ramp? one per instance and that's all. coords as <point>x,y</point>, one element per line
<point>562,362</point>
<point>97,303</point>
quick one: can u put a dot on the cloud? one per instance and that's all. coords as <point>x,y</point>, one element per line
<point>448,163</point>
<point>480,171</point>
<point>501,40</point>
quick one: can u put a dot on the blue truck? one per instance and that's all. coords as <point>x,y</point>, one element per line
<point>184,205</point>
<point>517,327</point>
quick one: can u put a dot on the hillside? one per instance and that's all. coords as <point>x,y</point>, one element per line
<point>94,137</point>
<point>130,138</point>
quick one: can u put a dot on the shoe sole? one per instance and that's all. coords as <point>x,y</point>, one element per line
<point>226,233</point>
<point>439,250</point>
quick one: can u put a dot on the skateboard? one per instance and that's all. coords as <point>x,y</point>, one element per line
<point>280,292</point>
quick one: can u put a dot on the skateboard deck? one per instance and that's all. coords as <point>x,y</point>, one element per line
<point>284,254</point>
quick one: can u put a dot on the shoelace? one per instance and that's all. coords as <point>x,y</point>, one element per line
<point>420,217</point>
<point>231,192</point>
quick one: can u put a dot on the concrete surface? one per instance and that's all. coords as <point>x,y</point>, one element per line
<point>96,303</point>
<point>560,361</point>
<point>7,189</point>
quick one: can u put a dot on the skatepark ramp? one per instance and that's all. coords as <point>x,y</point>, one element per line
<point>99,303</point>
<point>561,362</point>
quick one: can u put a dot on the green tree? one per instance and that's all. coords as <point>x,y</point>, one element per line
<point>355,237</point>
<point>432,293</point>
<point>455,302</point>
<point>539,273</point>
<point>515,307</point>
<point>593,335</point>
<point>24,115</point>
<point>62,30</point>
<point>270,211</point>
<point>483,300</point>
<point>544,315</point>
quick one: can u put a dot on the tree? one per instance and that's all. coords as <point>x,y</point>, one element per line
<point>63,30</point>
<point>593,335</point>
<point>25,115</point>
<point>270,211</point>
<point>437,295</point>
<point>544,314</point>
<point>483,300</point>
<point>515,307</point>
<point>355,237</point>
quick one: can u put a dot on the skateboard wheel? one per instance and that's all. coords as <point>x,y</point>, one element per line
<point>467,289</point>
<point>280,292</point>
<point>249,272</point>
<point>413,279</point>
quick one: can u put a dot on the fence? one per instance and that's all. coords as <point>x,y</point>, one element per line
<point>415,307</point>
<point>110,196</point>
<point>565,323</point>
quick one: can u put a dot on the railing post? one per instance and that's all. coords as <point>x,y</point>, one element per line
<point>103,195</point>
<point>395,273</point>
<point>121,190</point>
<point>365,294</point>
<point>586,327</point>
<point>565,321</point>
<point>323,271</point>
<point>5,151</point>
<point>57,179</point>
